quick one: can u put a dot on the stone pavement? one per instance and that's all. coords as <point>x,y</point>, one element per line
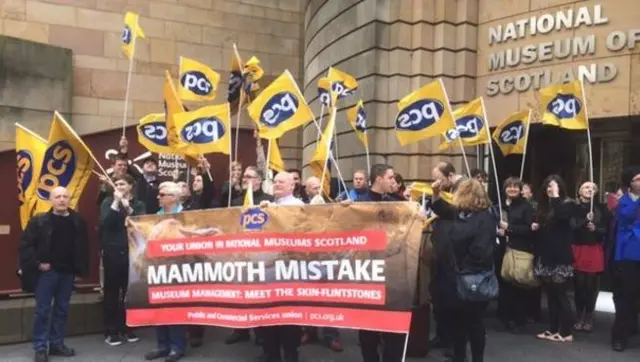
<point>501,347</point>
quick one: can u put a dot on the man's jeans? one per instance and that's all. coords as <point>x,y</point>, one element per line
<point>172,338</point>
<point>57,287</point>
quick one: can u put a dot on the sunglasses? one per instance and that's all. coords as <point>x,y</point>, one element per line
<point>162,194</point>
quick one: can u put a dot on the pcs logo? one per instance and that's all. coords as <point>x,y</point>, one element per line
<point>203,130</point>
<point>156,132</point>
<point>235,82</point>
<point>279,108</point>
<point>253,219</point>
<point>338,88</point>
<point>469,126</point>
<point>58,167</point>
<point>196,82</point>
<point>25,172</point>
<point>565,106</point>
<point>512,133</point>
<point>420,115</point>
<point>361,122</point>
<point>126,35</point>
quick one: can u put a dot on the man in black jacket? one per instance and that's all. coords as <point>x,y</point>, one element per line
<point>115,255</point>
<point>252,177</point>
<point>53,251</point>
<point>382,178</point>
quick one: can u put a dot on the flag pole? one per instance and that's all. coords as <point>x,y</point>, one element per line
<point>464,154</point>
<point>526,141</point>
<point>240,102</point>
<point>321,116</point>
<point>126,91</point>
<point>366,150</point>
<point>332,120</point>
<point>406,344</point>
<point>589,145</point>
<point>493,158</point>
<point>267,163</point>
<point>230,171</point>
<point>334,161</point>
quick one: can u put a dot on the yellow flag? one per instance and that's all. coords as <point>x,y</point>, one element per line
<point>339,83</point>
<point>279,108</point>
<point>420,188</point>
<point>152,133</point>
<point>206,130</point>
<point>321,154</point>
<point>253,68</point>
<point>131,32</point>
<point>275,158</point>
<point>236,78</point>
<point>67,162</point>
<point>470,126</point>
<point>248,196</point>
<point>564,106</point>
<point>172,106</point>
<point>30,149</point>
<point>511,135</point>
<point>358,121</point>
<point>423,114</point>
<point>198,82</point>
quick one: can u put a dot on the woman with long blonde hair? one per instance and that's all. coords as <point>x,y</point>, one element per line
<point>470,278</point>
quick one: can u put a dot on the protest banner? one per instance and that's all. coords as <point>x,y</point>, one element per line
<point>323,265</point>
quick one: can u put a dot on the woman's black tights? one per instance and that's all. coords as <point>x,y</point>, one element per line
<point>468,327</point>
<point>560,314</point>
<point>587,286</point>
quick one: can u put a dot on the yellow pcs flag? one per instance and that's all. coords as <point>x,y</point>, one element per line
<point>67,162</point>
<point>280,108</point>
<point>248,197</point>
<point>131,32</point>
<point>30,150</point>
<point>275,157</point>
<point>358,120</point>
<point>236,78</point>
<point>420,188</point>
<point>152,133</point>
<point>423,114</point>
<point>206,130</point>
<point>511,135</point>
<point>470,126</point>
<point>564,106</point>
<point>253,69</point>
<point>321,156</point>
<point>337,84</point>
<point>198,82</point>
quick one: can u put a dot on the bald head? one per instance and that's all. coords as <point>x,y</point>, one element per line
<point>312,187</point>
<point>283,185</point>
<point>59,198</point>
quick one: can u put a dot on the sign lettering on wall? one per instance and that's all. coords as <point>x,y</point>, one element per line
<point>567,48</point>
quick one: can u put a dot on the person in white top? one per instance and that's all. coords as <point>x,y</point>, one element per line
<point>283,185</point>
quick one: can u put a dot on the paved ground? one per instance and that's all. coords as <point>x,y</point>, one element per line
<point>501,347</point>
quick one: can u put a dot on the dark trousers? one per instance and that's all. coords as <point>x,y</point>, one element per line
<point>586,288</point>
<point>560,313</point>
<point>116,279</point>
<point>468,327</point>
<point>392,350</point>
<point>196,333</point>
<point>281,338</point>
<point>626,296</point>
<point>57,287</point>
<point>515,305</point>
<point>171,338</point>
<point>534,304</point>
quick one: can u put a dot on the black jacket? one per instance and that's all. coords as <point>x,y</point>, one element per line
<point>113,231</point>
<point>554,238</point>
<point>581,235</point>
<point>258,197</point>
<point>372,196</point>
<point>35,246</point>
<point>519,217</point>
<point>145,191</point>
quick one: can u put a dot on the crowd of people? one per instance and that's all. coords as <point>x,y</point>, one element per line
<point>552,243</point>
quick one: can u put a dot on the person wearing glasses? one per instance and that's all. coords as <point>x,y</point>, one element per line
<point>171,340</point>
<point>251,178</point>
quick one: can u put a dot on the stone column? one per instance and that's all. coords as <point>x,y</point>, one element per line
<point>392,47</point>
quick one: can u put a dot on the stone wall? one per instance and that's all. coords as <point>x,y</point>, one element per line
<point>35,80</point>
<point>201,29</point>
<point>392,47</point>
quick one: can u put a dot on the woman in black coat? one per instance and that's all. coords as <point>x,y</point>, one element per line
<point>470,244</point>
<point>553,234</point>
<point>515,233</point>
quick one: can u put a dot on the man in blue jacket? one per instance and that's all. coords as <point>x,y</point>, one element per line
<point>626,271</point>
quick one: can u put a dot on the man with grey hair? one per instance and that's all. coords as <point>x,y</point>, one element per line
<point>171,340</point>
<point>54,250</point>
